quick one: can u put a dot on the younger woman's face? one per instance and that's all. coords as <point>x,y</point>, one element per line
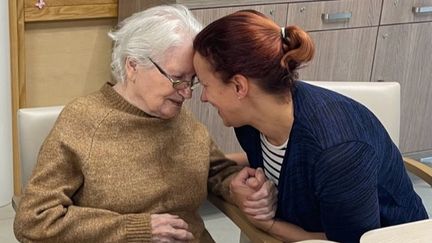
<point>219,94</point>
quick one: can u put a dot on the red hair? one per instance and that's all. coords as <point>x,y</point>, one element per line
<point>248,43</point>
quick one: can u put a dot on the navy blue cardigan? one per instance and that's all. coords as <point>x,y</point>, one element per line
<point>341,173</point>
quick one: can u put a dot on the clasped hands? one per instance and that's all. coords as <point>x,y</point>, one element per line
<point>252,192</point>
<point>256,196</point>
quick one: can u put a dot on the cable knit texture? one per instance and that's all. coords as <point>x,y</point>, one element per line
<point>106,166</point>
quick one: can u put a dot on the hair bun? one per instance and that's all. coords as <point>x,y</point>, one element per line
<point>298,47</point>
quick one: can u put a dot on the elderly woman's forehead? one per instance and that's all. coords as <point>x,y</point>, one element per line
<point>183,50</point>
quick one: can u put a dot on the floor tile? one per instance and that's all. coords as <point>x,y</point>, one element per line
<point>6,231</point>
<point>7,212</point>
<point>220,227</point>
<point>424,190</point>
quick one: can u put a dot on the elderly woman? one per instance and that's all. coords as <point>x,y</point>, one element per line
<point>127,163</point>
<point>337,171</point>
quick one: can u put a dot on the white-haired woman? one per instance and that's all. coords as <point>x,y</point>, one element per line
<point>127,163</point>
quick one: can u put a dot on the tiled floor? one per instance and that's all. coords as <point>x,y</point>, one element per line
<point>220,227</point>
<point>424,191</point>
<point>7,215</point>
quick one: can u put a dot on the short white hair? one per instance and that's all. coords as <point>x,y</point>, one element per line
<point>151,33</point>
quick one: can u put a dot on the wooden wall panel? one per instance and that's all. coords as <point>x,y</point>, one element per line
<point>66,59</point>
<point>70,9</point>
<point>50,3</point>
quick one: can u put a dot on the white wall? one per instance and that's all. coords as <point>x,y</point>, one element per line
<point>6,171</point>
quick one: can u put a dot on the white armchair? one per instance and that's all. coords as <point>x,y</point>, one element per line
<point>34,124</point>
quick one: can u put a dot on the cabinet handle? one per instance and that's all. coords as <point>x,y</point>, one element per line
<point>336,17</point>
<point>422,10</point>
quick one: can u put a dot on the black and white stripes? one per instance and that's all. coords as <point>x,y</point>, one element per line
<point>272,158</point>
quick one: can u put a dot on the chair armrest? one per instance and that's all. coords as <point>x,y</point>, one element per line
<point>419,169</point>
<point>418,231</point>
<point>233,212</point>
<point>15,202</point>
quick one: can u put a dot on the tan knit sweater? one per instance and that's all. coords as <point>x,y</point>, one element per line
<point>106,166</point>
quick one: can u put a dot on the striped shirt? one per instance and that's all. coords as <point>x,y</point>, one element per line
<point>272,158</point>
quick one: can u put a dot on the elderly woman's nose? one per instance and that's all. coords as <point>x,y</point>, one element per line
<point>186,93</point>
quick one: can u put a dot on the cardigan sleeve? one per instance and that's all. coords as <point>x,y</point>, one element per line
<point>47,212</point>
<point>221,171</point>
<point>346,188</point>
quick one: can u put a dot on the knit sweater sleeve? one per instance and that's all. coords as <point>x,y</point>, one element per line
<point>221,171</point>
<point>346,188</point>
<point>47,212</point>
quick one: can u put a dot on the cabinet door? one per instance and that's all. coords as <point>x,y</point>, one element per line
<point>277,12</point>
<point>404,54</point>
<point>342,55</point>
<point>404,11</point>
<point>341,14</point>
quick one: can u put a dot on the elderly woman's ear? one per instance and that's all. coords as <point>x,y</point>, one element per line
<point>131,69</point>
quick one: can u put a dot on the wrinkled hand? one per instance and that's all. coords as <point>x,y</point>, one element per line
<point>254,194</point>
<point>262,204</point>
<point>169,228</point>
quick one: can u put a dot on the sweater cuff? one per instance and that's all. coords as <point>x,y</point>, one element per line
<point>138,228</point>
<point>225,192</point>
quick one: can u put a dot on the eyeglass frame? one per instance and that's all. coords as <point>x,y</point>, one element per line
<point>192,84</point>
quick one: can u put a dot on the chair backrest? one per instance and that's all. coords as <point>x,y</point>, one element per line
<point>34,124</point>
<point>382,98</point>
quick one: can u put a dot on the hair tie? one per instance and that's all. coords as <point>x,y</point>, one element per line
<point>283,32</point>
<point>285,38</point>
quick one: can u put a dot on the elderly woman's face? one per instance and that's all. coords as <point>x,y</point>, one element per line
<point>151,90</point>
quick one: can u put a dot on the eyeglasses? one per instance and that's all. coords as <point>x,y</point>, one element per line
<point>178,84</point>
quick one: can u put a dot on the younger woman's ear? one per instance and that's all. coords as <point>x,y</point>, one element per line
<point>241,85</point>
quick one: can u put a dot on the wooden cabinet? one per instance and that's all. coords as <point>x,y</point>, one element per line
<point>403,54</point>
<point>342,55</point>
<point>356,40</point>
<point>341,14</point>
<point>277,12</point>
<point>405,11</point>
<point>345,48</point>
